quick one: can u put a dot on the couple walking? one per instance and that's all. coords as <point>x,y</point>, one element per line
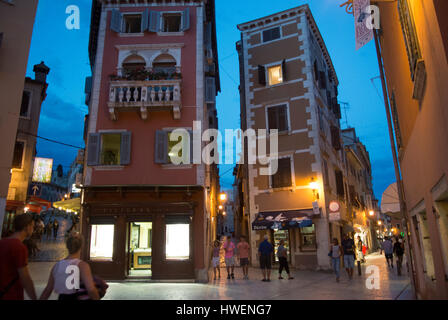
<point>265,251</point>
<point>14,272</point>
<point>345,250</point>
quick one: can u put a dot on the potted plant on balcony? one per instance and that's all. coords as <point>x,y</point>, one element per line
<point>177,75</point>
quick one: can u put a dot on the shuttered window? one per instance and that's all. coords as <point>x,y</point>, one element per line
<point>335,138</point>
<point>210,90</point>
<point>410,35</point>
<point>109,149</point>
<point>26,102</point>
<point>19,150</point>
<point>271,34</point>
<point>339,183</point>
<point>164,147</point>
<point>397,130</point>
<point>283,176</point>
<point>129,23</point>
<point>278,118</point>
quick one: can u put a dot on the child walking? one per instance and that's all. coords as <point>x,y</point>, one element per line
<point>215,259</point>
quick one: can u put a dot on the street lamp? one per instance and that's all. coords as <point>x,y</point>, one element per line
<point>314,186</point>
<point>220,207</point>
<point>222,196</point>
<point>379,222</point>
<point>371,213</point>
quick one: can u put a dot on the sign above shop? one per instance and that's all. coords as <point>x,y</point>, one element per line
<point>283,219</point>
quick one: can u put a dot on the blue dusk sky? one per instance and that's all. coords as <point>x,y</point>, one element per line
<point>65,52</point>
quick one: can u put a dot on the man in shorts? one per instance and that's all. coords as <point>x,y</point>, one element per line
<point>388,249</point>
<point>229,248</point>
<point>243,253</point>
<point>348,246</point>
<point>265,251</point>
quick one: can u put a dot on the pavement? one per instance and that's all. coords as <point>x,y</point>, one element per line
<point>306,285</point>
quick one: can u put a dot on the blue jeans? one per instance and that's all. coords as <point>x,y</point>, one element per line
<point>336,262</point>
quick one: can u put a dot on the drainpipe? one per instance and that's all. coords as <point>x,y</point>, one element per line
<point>403,209</point>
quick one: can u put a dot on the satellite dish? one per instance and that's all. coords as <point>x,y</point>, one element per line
<point>390,202</point>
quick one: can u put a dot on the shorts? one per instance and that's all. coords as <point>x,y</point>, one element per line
<point>244,261</point>
<point>265,262</point>
<point>230,262</point>
<point>389,256</point>
<point>349,261</point>
<point>215,262</point>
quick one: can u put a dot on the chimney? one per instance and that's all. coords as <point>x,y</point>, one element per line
<point>41,71</point>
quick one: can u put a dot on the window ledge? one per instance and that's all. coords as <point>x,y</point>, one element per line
<point>291,188</point>
<point>177,166</point>
<point>108,168</point>
<point>125,34</point>
<point>172,34</point>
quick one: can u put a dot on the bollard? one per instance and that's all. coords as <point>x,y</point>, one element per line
<point>359,267</point>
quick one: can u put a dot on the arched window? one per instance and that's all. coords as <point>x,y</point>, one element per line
<point>133,63</point>
<point>164,63</point>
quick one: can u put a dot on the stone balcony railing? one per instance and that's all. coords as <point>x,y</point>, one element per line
<point>151,95</point>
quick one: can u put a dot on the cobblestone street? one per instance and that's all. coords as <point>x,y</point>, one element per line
<point>307,285</point>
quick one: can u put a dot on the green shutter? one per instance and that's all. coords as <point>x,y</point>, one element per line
<point>145,20</point>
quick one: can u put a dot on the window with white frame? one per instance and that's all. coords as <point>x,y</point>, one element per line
<point>172,22</point>
<point>282,178</point>
<point>275,75</point>
<point>278,118</point>
<point>132,23</point>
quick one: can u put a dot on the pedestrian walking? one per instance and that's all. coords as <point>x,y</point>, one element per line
<point>265,255</point>
<point>399,252</point>
<point>243,254</point>
<point>336,253</point>
<point>55,228</point>
<point>282,255</point>
<point>14,273</point>
<point>348,247</point>
<point>49,229</point>
<point>388,249</point>
<point>59,275</point>
<point>216,259</point>
<point>359,250</point>
<point>229,248</point>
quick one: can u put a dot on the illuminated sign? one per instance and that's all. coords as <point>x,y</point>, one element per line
<point>75,189</point>
<point>42,170</point>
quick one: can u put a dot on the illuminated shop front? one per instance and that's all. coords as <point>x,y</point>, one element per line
<point>296,228</point>
<point>138,234</point>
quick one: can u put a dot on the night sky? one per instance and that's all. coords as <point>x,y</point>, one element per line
<point>65,52</point>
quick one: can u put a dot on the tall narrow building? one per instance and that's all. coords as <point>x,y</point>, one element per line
<point>16,29</point>
<point>155,69</point>
<point>288,83</point>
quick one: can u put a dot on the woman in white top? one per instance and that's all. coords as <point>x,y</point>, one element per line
<point>335,254</point>
<point>63,276</point>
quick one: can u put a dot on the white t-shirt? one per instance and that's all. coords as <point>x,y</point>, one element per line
<point>61,274</point>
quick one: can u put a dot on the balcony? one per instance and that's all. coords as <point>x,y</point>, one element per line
<point>144,96</point>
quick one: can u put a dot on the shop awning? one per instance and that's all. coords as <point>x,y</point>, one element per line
<point>283,219</point>
<point>71,204</point>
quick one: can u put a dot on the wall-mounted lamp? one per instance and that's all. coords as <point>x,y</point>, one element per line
<point>224,213</point>
<point>371,213</point>
<point>314,186</point>
<point>222,196</point>
<point>220,207</point>
<point>379,222</point>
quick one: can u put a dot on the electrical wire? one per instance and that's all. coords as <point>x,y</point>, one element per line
<point>50,140</point>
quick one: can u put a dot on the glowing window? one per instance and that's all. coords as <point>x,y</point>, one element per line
<point>110,150</point>
<point>178,241</point>
<point>275,75</point>
<point>102,242</point>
